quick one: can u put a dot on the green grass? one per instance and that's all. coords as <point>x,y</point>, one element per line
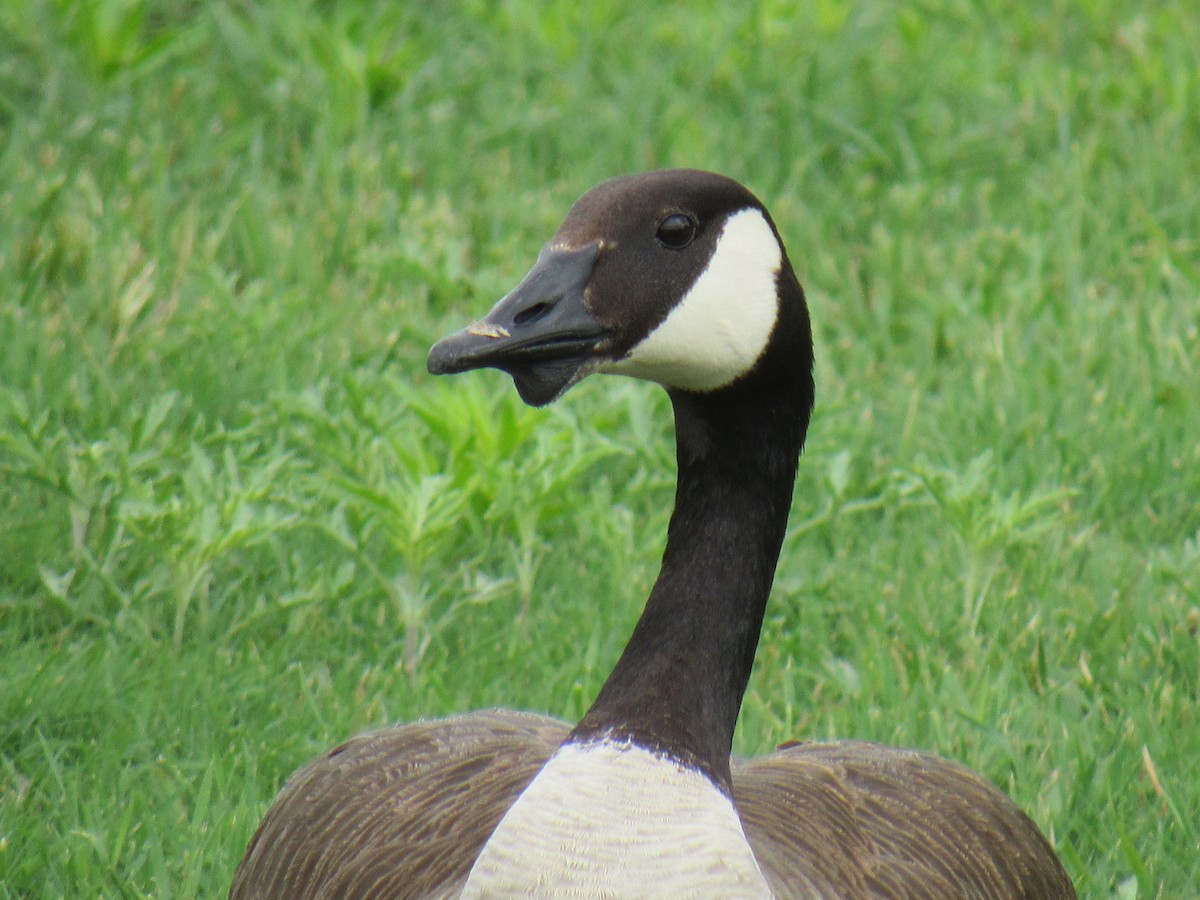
<point>238,522</point>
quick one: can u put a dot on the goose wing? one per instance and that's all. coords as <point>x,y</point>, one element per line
<point>399,812</point>
<point>856,819</point>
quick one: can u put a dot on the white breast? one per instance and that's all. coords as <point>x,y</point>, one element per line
<point>613,820</point>
<point>721,326</point>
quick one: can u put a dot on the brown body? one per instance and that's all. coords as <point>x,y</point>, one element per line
<point>404,811</point>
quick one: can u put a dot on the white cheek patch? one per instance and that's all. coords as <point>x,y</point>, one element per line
<point>721,326</point>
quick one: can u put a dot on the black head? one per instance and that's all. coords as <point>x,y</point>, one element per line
<point>676,276</point>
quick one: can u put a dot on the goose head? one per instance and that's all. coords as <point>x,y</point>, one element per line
<point>677,277</point>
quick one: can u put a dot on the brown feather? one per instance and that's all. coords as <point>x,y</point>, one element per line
<point>404,812</point>
<point>854,819</point>
<point>400,812</point>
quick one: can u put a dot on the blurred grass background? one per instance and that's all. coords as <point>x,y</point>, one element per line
<point>238,522</point>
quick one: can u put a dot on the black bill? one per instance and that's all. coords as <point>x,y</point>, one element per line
<point>541,333</point>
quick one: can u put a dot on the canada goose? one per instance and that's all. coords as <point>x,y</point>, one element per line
<point>677,277</point>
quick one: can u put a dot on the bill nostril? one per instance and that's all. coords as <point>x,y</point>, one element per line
<point>532,313</point>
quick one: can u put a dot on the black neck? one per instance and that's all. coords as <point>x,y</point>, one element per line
<point>678,686</point>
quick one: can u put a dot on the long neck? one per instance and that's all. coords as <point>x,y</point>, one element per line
<point>679,684</point>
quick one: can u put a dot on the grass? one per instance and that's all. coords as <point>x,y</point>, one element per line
<point>238,522</point>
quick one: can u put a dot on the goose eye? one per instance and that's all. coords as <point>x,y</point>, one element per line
<point>676,231</point>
